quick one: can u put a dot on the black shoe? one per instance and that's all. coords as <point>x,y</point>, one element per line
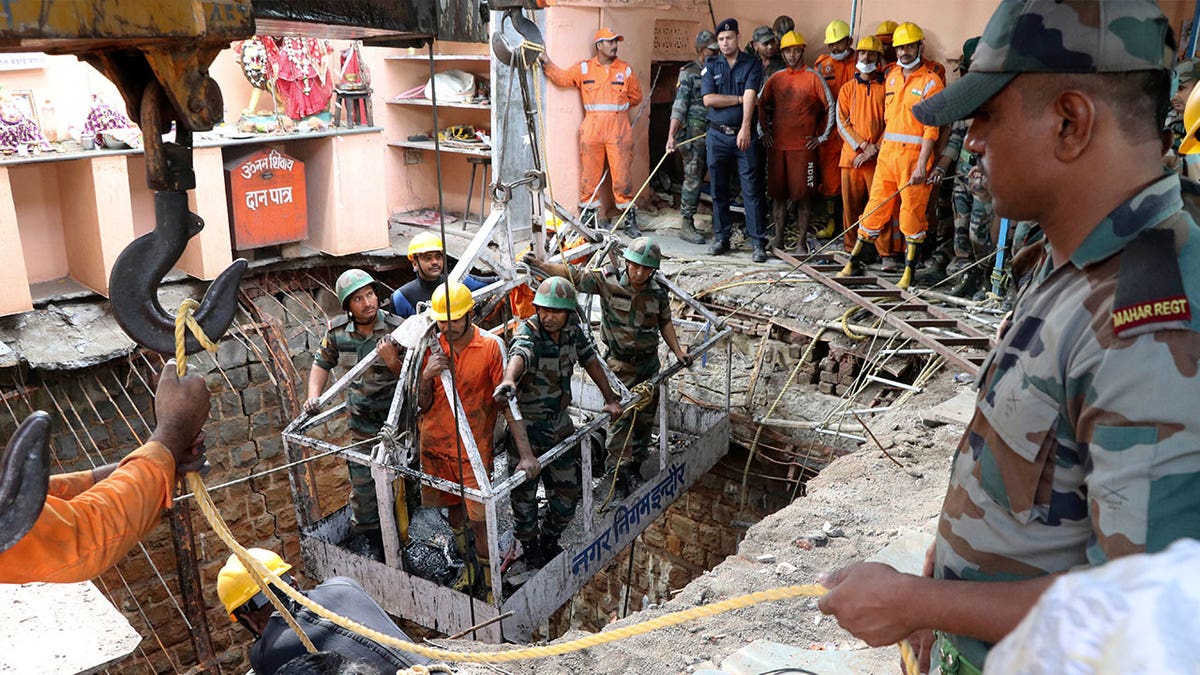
<point>366,543</point>
<point>614,485</point>
<point>535,556</point>
<point>719,247</point>
<point>760,254</point>
<point>548,544</point>
<point>631,224</point>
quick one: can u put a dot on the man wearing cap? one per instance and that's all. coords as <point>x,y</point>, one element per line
<point>541,359</point>
<point>476,370</point>
<point>608,88</point>
<point>689,118</point>
<point>428,258</point>
<point>634,311</point>
<point>796,116</point>
<point>729,83</point>
<point>765,45</point>
<point>359,332</point>
<point>860,122</point>
<point>1085,445</point>
<point>900,183</point>
<point>837,68</point>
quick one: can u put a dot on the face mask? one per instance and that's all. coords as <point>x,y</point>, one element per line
<point>841,56</point>
<point>866,68</point>
<point>915,62</point>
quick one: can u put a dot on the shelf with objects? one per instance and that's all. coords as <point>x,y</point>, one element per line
<point>459,75</point>
<point>72,173</point>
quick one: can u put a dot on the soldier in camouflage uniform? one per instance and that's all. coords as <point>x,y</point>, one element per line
<point>634,311</point>
<point>357,332</point>
<point>541,360</point>
<point>1085,445</point>
<point>689,118</point>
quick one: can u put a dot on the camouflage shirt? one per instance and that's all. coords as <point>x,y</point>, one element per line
<point>1085,443</point>
<point>689,102</point>
<point>544,390</point>
<point>630,320</point>
<point>956,151</point>
<point>370,395</point>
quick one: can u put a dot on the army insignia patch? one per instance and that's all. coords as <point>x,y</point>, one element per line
<point>1149,292</point>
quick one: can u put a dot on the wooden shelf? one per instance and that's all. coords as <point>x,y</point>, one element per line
<point>429,104</point>
<point>439,57</point>
<point>428,145</point>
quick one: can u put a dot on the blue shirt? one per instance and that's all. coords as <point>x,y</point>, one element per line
<point>718,78</point>
<point>405,298</point>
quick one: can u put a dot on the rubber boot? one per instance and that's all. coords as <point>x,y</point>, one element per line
<point>689,233</point>
<point>831,226</point>
<point>910,261</point>
<point>631,224</point>
<point>854,266</point>
<point>535,555</point>
<point>549,546</point>
<point>482,589</point>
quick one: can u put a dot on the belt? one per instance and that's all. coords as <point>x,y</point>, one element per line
<point>951,660</point>
<point>727,130</point>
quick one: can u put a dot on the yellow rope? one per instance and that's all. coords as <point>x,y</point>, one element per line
<point>262,576</point>
<point>846,325</point>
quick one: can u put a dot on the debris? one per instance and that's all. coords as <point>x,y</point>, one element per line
<point>765,558</point>
<point>785,569</point>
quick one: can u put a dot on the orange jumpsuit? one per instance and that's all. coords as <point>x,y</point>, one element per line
<point>607,93</point>
<point>898,155</point>
<point>860,121</point>
<point>836,74</point>
<point>86,527</point>
<point>478,370</point>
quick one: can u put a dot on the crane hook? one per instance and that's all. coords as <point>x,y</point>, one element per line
<point>24,478</point>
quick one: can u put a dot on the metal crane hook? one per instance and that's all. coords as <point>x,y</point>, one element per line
<point>527,29</point>
<point>24,478</point>
<point>139,270</point>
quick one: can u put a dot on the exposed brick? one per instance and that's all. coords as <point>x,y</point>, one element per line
<point>234,431</point>
<point>231,354</point>
<point>258,374</point>
<point>239,378</point>
<point>825,387</point>
<point>271,447</point>
<point>252,400</point>
<point>243,455</point>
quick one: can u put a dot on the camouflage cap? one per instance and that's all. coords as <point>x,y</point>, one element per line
<point>763,34</point>
<point>706,40</point>
<point>1188,71</point>
<point>1054,36</point>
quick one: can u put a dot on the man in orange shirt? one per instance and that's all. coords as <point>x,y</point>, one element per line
<point>796,117</point>
<point>904,157</point>
<point>836,68</point>
<point>478,368</point>
<point>860,122</point>
<point>608,87</point>
<point>91,519</point>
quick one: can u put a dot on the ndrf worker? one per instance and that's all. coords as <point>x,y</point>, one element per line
<point>634,311</point>
<point>905,156</point>
<point>860,122</point>
<point>837,68</point>
<point>608,87</point>
<point>541,359</point>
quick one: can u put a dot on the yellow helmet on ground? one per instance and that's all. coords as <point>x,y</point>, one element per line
<point>234,585</point>
<point>906,34</point>
<point>836,30</point>
<point>424,243</point>
<point>870,44</point>
<point>885,30</point>
<point>791,39</point>
<point>461,302</point>
<point>1191,122</point>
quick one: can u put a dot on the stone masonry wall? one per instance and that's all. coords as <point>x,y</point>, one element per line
<point>100,415</point>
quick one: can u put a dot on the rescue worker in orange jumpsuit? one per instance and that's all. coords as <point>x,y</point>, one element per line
<point>608,88</point>
<point>837,68</point>
<point>860,122</point>
<point>92,518</point>
<point>904,156</point>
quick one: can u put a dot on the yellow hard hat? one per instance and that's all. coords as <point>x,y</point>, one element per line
<point>906,34</point>
<point>885,30</point>
<point>461,302</point>
<point>424,243</point>
<point>870,44</point>
<point>234,585</point>
<point>1191,122</point>
<point>792,39</point>
<point>836,30</point>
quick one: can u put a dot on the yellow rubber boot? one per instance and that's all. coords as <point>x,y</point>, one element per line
<point>910,261</point>
<point>854,266</point>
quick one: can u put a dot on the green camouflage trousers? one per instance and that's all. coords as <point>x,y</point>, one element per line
<point>561,478</point>
<point>694,167</point>
<point>630,435</point>
<point>364,506</point>
<point>972,224</point>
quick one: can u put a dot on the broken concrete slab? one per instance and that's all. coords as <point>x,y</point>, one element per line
<point>906,552</point>
<point>61,628</point>
<point>765,656</point>
<point>956,410</point>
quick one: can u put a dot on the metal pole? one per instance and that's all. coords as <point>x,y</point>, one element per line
<point>1191,49</point>
<point>188,570</point>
